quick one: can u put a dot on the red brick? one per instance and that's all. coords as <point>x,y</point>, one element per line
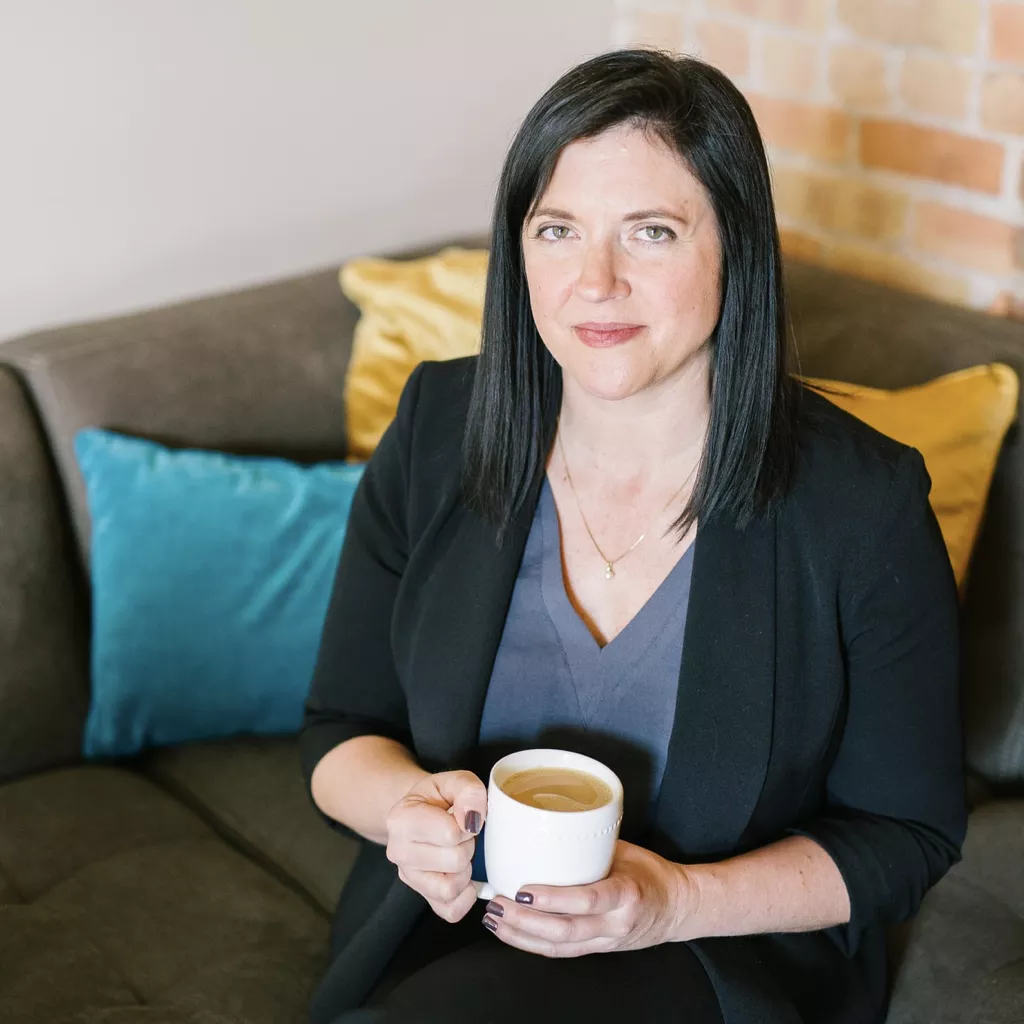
<point>932,153</point>
<point>810,129</point>
<point>857,77</point>
<point>949,26</point>
<point>967,238</point>
<point>1006,33</point>
<point>1002,102</point>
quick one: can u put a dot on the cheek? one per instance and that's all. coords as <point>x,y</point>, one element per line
<point>692,293</point>
<point>549,287</point>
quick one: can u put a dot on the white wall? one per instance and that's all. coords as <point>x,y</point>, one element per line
<point>157,150</point>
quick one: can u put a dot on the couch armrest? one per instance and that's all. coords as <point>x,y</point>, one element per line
<point>44,688</point>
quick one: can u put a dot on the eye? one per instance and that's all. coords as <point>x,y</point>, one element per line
<point>656,233</point>
<point>559,232</point>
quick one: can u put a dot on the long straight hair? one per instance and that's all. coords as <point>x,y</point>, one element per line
<point>750,448</point>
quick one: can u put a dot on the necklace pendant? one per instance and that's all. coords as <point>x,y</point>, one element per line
<point>609,572</point>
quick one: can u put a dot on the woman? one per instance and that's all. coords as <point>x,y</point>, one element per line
<point>625,529</point>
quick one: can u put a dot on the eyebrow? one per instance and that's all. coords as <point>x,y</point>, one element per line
<point>654,212</point>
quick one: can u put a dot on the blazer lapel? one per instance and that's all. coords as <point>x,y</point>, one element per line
<point>459,631</point>
<point>722,729</point>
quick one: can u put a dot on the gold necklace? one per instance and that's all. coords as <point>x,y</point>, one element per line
<point>609,563</point>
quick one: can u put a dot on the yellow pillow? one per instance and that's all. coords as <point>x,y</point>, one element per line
<point>957,423</point>
<point>431,309</point>
<point>411,310</point>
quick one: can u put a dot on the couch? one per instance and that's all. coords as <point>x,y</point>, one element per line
<point>195,884</point>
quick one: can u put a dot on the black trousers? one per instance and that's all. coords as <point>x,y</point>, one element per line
<point>462,972</point>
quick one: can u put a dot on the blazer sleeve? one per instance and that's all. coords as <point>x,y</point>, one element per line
<point>895,814</point>
<point>355,690</point>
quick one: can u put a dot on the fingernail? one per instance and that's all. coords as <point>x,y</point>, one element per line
<point>524,897</point>
<point>473,821</point>
<point>490,924</point>
<point>495,908</point>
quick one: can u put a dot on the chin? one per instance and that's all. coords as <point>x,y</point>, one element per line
<point>611,383</point>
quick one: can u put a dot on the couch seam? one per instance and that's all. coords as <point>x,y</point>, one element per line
<point>44,893</point>
<point>5,876</point>
<point>237,841</point>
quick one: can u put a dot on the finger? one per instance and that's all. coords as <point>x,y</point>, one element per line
<point>433,885</point>
<point>413,819</point>
<point>458,908</point>
<point>559,928</point>
<point>596,898</point>
<point>467,796</point>
<point>531,943</point>
<point>428,857</point>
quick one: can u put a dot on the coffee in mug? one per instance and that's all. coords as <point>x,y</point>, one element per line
<point>557,789</point>
<point>553,818</point>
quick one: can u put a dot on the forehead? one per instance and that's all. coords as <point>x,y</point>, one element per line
<point>626,159</point>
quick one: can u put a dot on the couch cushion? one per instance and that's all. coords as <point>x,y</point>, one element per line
<point>865,333</point>
<point>965,959</point>
<point>129,908</point>
<point>44,687</point>
<point>253,790</point>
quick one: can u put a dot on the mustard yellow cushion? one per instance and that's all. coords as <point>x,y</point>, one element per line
<point>411,310</point>
<point>431,308</point>
<point>957,423</point>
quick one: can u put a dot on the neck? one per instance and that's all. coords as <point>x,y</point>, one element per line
<point>657,432</point>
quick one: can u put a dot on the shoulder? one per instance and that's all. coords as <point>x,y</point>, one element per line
<point>444,393</point>
<point>847,473</point>
<point>441,405</point>
<point>418,460</point>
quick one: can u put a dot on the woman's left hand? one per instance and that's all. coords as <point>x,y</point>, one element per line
<point>644,901</point>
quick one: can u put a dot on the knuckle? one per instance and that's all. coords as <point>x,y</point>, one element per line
<point>591,900</point>
<point>451,860</point>
<point>449,890</point>
<point>630,891</point>
<point>621,927</point>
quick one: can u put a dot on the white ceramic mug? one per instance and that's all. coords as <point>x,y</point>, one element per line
<point>524,845</point>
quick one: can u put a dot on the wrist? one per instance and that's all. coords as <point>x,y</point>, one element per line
<point>695,902</point>
<point>685,903</point>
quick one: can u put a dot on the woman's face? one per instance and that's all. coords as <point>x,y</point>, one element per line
<point>624,236</point>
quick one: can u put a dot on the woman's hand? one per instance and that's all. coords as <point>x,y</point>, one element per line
<point>644,901</point>
<point>431,838</point>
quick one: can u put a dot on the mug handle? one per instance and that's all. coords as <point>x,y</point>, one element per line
<point>484,891</point>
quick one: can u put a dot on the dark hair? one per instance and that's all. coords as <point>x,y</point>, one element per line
<point>749,452</point>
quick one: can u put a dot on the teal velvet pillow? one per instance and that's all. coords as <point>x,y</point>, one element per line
<point>210,581</point>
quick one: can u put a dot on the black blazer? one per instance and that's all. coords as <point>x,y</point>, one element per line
<point>818,690</point>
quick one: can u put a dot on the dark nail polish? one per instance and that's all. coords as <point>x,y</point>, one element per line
<point>495,908</point>
<point>473,821</point>
<point>524,897</point>
<point>490,924</point>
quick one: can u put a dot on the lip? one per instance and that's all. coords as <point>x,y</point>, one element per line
<point>604,335</point>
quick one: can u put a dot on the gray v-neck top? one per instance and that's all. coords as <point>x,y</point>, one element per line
<point>553,685</point>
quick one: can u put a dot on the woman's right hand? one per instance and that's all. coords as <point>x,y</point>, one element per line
<point>431,838</point>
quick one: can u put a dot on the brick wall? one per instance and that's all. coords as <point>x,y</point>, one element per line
<point>895,129</point>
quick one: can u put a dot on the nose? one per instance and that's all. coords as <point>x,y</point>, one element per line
<point>599,273</point>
